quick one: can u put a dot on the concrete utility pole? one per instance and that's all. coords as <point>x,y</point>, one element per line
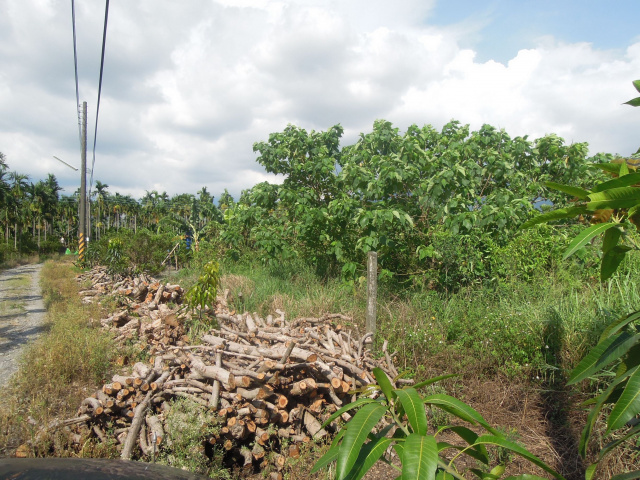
<point>82,230</point>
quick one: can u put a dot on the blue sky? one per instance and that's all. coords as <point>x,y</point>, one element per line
<point>507,26</point>
<point>190,86</point>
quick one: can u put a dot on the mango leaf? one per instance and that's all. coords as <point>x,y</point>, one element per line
<point>634,103</point>
<point>573,191</point>
<point>497,470</point>
<point>459,409</point>
<point>472,452</point>
<point>414,409</point>
<point>326,459</point>
<point>585,236</point>
<point>433,380</point>
<point>619,324</point>
<point>621,197</point>
<point>636,84</point>
<point>610,395</point>
<point>590,471</point>
<point>619,193</point>
<point>625,181</point>
<point>525,476</point>
<point>592,362</point>
<point>469,436</point>
<point>611,445</point>
<point>442,475</point>
<point>608,167</point>
<point>628,405</point>
<point>385,383</point>
<point>504,443</point>
<point>553,215</point>
<point>591,420</point>
<point>450,472</point>
<point>356,433</point>
<point>484,475</point>
<point>368,456</point>
<point>610,239</point>
<point>420,458</point>
<point>346,408</point>
<point>611,260</point>
<point>627,475</point>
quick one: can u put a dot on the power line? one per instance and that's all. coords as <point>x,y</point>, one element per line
<point>95,134</point>
<point>75,64</point>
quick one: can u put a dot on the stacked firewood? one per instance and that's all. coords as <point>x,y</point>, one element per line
<point>266,379</point>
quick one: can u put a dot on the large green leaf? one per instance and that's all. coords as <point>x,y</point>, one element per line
<point>356,433</point>
<point>636,85</point>
<point>414,409</point>
<point>574,191</point>
<point>591,363</point>
<point>331,455</point>
<point>326,459</point>
<point>585,236</point>
<point>591,419</point>
<point>368,456</point>
<point>612,259</point>
<point>610,239</point>
<point>385,383</point>
<point>608,167</point>
<point>429,381</point>
<point>611,395</point>
<point>619,324</point>
<point>479,452</point>
<point>420,457</point>
<point>622,197</point>
<point>619,193</point>
<point>627,475</point>
<point>346,408</point>
<point>625,181</point>
<point>612,445</point>
<point>524,476</point>
<point>504,443</point>
<point>634,103</point>
<point>624,169</point>
<point>590,471</point>
<point>554,215</point>
<point>459,409</point>
<point>628,405</point>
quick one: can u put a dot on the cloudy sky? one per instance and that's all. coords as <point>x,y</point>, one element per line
<point>190,85</point>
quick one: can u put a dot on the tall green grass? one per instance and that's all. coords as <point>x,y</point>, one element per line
<point>510,327</point>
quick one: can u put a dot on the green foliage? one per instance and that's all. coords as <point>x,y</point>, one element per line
<point>359,444</point>
<point>203,292</point>
<point>189,426</point>
<point>613,206</point>
<point>424,200</point>
<point>127,252</point>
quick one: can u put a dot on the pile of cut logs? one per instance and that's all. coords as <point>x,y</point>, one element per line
<point>266,379</point>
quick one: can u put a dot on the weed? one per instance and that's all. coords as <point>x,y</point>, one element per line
<point>189,426</point>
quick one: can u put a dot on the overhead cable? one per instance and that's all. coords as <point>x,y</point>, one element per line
<point>75,63</point>
<point>95,134</point>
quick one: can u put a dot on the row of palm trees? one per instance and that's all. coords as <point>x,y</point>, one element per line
<point>34,212</point>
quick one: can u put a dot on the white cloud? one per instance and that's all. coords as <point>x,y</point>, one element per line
<point>189,86</point>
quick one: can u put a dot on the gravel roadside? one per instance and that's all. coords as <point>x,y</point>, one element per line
<point>22,315</point>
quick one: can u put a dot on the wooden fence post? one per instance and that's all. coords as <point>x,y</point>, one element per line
<point>372,291</point>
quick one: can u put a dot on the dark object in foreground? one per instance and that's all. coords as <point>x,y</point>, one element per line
<point>91,468</point>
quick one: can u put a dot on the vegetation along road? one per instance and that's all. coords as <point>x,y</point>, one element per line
<point>22,314</point>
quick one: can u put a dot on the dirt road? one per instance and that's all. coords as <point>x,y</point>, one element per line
<point>22,315</point>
